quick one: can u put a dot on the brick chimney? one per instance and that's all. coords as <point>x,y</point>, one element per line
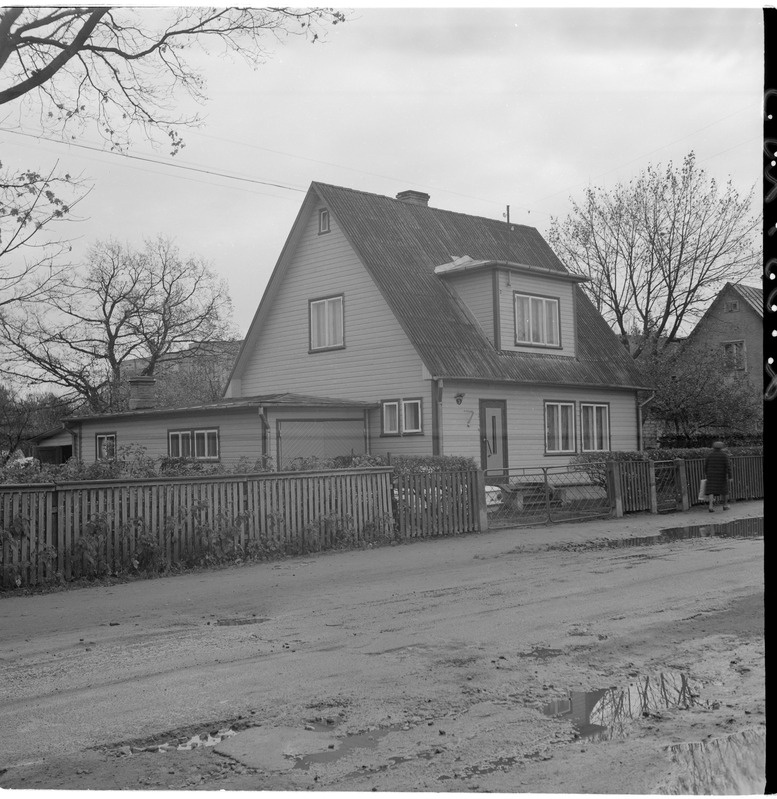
<point>141,392</point>
<point>413,197</point>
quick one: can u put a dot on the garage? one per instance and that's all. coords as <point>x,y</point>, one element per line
<point>319,438</point>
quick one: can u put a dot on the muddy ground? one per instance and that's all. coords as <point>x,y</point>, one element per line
<point>538,660</point>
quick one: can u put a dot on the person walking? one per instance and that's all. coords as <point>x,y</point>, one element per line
<point>717,470</point>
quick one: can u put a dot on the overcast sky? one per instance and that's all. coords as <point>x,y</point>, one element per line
<point>480,109</point>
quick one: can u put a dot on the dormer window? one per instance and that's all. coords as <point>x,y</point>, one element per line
<point>536,321</point>
<point>323,221</point>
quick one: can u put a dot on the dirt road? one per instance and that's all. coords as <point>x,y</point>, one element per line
<point>535,660</point>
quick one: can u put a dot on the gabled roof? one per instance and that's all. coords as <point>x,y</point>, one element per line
<point>402,243</point>
<point>752,295</point>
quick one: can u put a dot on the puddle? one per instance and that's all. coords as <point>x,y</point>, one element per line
<point>233,622</point>
<point>195,742</point>
<point>606,713</point>
<point>737,528</point>
<point>541,653</point>
<point>361,740</point>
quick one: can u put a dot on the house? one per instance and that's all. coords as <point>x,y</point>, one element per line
<point>426,331</point>
<point>733,327</point>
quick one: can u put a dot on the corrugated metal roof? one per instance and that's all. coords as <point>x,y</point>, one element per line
<point>401,243</point>
<point>282,399</point>
<point>752,295</point>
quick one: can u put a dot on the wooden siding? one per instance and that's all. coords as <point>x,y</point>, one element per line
<point>526,421</point>
<point>378,361</point>
<point>240,433</point>
<point>509,283</point>
<point>477,291</point>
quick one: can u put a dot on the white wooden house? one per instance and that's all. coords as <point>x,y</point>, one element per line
<point>412,330</point>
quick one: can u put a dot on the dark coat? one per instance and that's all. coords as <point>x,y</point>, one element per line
<point>717,470</point>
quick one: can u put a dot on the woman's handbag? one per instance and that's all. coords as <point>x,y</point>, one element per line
<point>703,489</point>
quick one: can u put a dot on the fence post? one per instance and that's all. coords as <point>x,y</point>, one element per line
<point>681,481</point>
<point>546,487</point>
<point>480,497</point>
<point>652,487</point>
<point>614,488</point>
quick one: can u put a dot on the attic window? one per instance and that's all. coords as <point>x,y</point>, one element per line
<point>732,305</point>
<point>323,221</point>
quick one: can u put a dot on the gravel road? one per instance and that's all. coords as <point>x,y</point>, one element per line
<point>549,659</point>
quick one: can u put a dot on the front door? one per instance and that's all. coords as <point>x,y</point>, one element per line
<point>493,437</point>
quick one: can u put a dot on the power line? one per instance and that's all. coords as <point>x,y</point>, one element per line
<point>156,161</point>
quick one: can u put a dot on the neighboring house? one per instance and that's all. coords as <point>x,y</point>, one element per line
<point>427,331</point>
<point>733,327</point>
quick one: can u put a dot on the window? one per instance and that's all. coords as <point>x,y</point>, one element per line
<point>411,416</point>
<point>734,354</point>
<point>559,427</point>
<point>205,444</point>
<point>323,221</point>
<point>732,305</point>
<point>326,323</point>
<point>536,321</point>
<point>106,446</point>
<point>390,424</point>
<point>402,417</point>
<point>179,444</point>
<point>595,424</point>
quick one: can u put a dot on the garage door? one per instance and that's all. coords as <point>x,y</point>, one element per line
<point>318,438</point>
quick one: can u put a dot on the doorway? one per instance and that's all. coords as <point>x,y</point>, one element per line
<point>493,437</point>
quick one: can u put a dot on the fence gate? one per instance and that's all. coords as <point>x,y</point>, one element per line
<point>666,486</point>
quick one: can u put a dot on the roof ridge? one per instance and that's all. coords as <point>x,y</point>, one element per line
<point>429,207</point>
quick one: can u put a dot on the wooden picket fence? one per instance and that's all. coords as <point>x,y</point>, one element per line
<point>677,483</point>
<point>67,530</point>
<point>437,503</point>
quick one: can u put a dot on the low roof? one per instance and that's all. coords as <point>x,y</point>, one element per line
<point>275,400</point>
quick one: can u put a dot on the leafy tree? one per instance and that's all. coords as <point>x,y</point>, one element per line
<point>30,255</point>
<point>658,249</point>
<point>120,66</point>
<point>696,392</point>
<point>127,304</point>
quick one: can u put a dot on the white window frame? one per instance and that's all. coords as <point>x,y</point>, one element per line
<point>179,436</point>
<point>597,426</point>
<point>557,405</point>
<point>384,427</point>
<point>407,429</point>
<point>101,439</point>
<point>207,435</point>
<point>333,338</point>
<point>323,221</point>
<point>538,310</point>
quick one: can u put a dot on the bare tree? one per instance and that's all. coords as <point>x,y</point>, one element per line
<point>121,66</point>
<point>30,255</point>
<point>658,249</point>
<point>127,305</point>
